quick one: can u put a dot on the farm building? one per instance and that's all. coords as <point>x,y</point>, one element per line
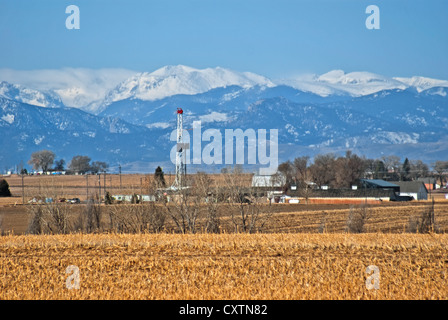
<point>367,191</point>
<point>345,196</point>
<point>378,184</point>
<point>414,189</point>
<point>273,185</point>
<point>273,181</point>
<point>430,183</point>
<point>129,198</point>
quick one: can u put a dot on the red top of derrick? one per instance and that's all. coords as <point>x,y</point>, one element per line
<point>180,111</point>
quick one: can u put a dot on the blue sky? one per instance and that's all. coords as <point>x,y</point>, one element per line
<point>277,39</point>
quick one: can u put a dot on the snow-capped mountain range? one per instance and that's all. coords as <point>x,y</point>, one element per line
<point>126,116</point>
<point>30,96</point>
<point>93,90</point>
<point>174,80</point>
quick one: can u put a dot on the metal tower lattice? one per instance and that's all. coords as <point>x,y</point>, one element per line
<point>180,152</point>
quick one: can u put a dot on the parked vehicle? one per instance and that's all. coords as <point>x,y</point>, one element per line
<point>74,200</point>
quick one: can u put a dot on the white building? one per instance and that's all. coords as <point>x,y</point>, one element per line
<point>415,189</point>
<point>274,181</point>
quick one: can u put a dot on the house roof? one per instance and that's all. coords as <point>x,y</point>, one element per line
<point>268,181</point>
<point>427,180</point>
<point>380,183</point>
<point>344,193</point>
<point>410,186</point>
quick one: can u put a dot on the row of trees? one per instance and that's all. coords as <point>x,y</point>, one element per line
<point>345,171</point>
<point>206,206</point>
<point>45,159</point>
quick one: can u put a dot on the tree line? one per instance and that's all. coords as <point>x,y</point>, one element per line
<point>205,206</point>
<point>345,171</point>
<point>45,159</point>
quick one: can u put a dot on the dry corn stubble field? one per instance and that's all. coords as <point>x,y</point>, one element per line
<point>224,266</point>
<point>290,261</point>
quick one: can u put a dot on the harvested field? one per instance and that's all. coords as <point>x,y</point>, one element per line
<point>304,251</point>
<point>392,217</point>
<point>224,266</point>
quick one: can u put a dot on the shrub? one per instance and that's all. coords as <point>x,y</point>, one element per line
<point>357,219</point>
<point>423,222</point>
<point>4,188</point>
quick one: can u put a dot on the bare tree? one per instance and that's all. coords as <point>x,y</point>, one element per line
<point>440,168</point>
<point>154,217</point>
<point>423,222</point>
<point>183,209</point>
<point>348,170</point>
<point>37,222</point>
<point>50,218</point>
<point>357,218</point>
<point>42,160</point>
<point>132,218</point>
<point>287,169</point>
<point>323,170</point>
<point>419,169</point>
<point>302,176</point>
<point>97,166</point>
<point>392,165</point>
<point>248,214</point>
<point>207,197</point>
<point>80,164</point>
<point>89,220</point>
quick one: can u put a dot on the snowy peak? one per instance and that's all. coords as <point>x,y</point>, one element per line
<point>172,80</point>
<point>422,83</point>
<point>354,78</point>
<point>76,87</point>
<point>359,83</point>
<point>94,90</point>
<point>26,95</point>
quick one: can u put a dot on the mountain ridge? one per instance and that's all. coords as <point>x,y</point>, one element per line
<point>409,121</point>
<point>94,90</point>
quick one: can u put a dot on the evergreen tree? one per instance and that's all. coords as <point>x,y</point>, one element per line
<point>4,188</point>
<point>406,170</point>
<point>380,170</point>
<point>159,177</point>
<point>59,165</point>
<point>108,198</point>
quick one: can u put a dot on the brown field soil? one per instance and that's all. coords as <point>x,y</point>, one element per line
<point>224,266</point>
<point>390,217</point>
<point>79,186</point>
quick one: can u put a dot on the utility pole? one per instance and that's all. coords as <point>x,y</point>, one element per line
<point>87,187</point>
<point>141,191</point>
<point>104,183</point>
<point>119,172</point>
<point>99,186</point>
<point>23,191</point>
